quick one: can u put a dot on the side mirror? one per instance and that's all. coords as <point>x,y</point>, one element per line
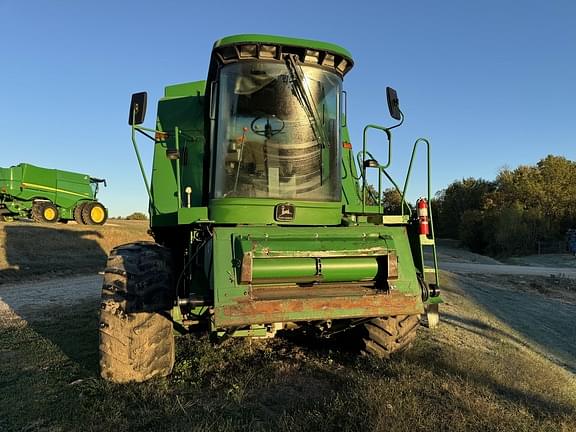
<point>137,108</point>
<point>393,103</point>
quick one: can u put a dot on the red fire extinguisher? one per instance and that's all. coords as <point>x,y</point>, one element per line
<point>422,208</point>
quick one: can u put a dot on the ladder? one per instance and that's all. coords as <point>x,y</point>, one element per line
<point>425,256</point>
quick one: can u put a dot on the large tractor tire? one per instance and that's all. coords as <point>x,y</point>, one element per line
<point>94,213</point>
<point>384,337</point>
<point>136,336</point>
<point>44,211</point>
<point>78,213</point>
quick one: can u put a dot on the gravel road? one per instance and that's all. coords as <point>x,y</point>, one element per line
<point>466,267</point>
<point>24,298</point>
<point>544,323</point>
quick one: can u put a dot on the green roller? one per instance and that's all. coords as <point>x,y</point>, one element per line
<point>277,269</point>
<point>348,269</point>
<point>314,269</point>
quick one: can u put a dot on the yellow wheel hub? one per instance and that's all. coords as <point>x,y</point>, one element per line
<point>49,214</point>
<point>97,214</point>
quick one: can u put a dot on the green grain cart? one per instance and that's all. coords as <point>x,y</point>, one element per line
<point>263,218</point>
<point>50,195</point>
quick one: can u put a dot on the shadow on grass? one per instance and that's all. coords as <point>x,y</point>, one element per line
<point>280,385</point>
<point>32,250</point>
<point>73,329</point>
<point>500,376</point>
<point>287,387</point>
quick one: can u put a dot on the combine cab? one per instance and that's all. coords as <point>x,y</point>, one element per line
<point>50,195</point>
<point>263,221</point>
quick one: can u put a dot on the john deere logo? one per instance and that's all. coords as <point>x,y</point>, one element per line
<point>284,212</point>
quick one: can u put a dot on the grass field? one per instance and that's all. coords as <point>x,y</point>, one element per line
<point>473,373</point>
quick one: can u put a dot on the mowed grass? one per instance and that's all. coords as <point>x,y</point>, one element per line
<point>470,374</point>
<point>30,250</point>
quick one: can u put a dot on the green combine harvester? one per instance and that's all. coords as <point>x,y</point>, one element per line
<point>263,217</point>
<point>50,195</point>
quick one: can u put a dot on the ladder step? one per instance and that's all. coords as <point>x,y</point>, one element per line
<point>424,240</point>
<point>429,270</point>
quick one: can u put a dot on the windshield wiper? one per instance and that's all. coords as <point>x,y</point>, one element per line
<point>301,91</point>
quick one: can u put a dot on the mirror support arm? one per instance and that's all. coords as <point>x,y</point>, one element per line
<point>134,129</point>
<point>139,129</point>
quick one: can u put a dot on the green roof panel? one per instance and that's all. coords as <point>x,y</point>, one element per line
<point>282,40</point>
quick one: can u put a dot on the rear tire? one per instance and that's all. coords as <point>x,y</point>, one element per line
<point>136,335</point>
<point>44,211</point>
<point>386,336</point>
<point>94,213</point>
<point>78,213</point>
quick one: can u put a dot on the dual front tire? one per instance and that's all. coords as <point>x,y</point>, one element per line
<point>90,213</point>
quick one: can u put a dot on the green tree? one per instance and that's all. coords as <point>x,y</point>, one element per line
<point>136,216</point>
<point>457,198</point>
<point>392,202</point>
<point>547,190</point>
<point>508,216</point>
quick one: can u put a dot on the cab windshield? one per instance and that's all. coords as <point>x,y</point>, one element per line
<point>278,132</point>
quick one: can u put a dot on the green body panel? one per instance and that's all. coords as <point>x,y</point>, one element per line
<point>286,256</point>
<point>261,211</point>
<point>181,108</point>
<point>192,215</point>
<point>22,184</point>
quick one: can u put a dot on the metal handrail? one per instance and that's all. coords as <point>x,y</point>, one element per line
<point>428,197</point>
<point>409,172</point>
<point>364,152</point>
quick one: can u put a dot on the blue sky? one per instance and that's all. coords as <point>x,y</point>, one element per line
<point>490,83</point>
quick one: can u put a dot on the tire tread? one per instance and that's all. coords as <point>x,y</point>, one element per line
<point>136,340</point>
<point>387,336</point>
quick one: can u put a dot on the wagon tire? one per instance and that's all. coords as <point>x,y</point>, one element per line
<point>136,333</point>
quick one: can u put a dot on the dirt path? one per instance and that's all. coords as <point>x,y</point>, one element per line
<point>541,312</point>
<point>29,297</point>
<point>466,267</point>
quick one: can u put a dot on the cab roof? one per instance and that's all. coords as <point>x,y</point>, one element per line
<point>270,47</point>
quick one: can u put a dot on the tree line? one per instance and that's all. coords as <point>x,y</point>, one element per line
<point>509,215</point>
